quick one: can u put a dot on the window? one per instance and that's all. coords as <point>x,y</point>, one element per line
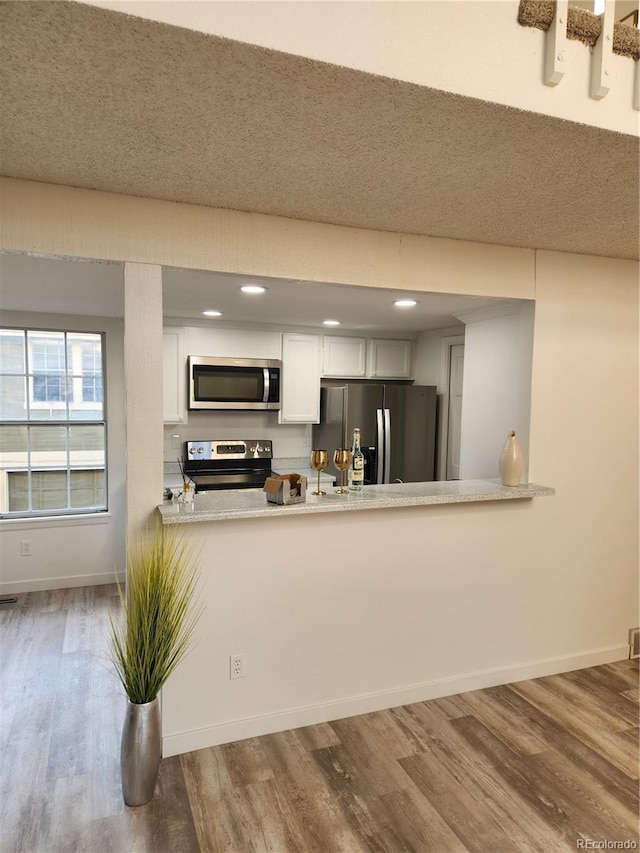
<point>52,423</point>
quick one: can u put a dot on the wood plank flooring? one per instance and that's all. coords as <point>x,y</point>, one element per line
<point>540,766</point>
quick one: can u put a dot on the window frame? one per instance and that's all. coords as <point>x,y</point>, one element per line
<point>68,377</point>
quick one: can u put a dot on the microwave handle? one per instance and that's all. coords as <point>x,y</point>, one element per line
<point>265,383</point>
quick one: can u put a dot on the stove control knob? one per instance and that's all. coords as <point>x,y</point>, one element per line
<point>260,448</point>
<point>252,449</point>
<point>201,450</point>
<point>192,450</point>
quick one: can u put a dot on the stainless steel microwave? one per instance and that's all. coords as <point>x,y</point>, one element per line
<point>234,383</point>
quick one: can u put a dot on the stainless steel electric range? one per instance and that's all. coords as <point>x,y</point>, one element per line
<point>228,464</point>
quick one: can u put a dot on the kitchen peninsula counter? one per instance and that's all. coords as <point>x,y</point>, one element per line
<point>238,504</point>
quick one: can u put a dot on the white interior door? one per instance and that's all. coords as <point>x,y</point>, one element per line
<point>454,430</point>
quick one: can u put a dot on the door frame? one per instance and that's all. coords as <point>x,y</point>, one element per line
<point>447,342</point>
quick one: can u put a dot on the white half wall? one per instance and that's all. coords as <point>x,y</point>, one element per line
<point>448,609</point>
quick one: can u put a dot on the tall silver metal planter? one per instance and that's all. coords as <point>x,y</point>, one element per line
<point>140,752</point>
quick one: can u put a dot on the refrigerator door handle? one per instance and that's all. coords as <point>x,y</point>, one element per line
<point>387,446</point>
<point>380,447</point>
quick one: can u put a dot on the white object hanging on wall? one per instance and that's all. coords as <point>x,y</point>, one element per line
<point>511,461</point>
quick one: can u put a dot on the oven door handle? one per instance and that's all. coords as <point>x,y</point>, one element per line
<point>265,383</point>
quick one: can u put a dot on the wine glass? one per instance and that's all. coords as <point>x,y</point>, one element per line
<point>319,460</point>
<point>342,460</point>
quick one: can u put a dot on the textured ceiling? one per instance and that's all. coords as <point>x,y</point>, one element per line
<point>98,99</point>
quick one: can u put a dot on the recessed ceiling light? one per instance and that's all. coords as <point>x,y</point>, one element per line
<point>212,313</point>
<point>405,303</point>
<point>331,322</point>
<point>252,288</point>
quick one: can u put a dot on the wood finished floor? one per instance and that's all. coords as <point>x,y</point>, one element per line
<point>534,766</point>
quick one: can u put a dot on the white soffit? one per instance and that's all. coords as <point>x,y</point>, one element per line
<point>96,289</point>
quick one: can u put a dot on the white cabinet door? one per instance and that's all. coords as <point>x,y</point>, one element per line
<point>343,357</point>
<point>389,359</point>
<point>174,367</point>
<point>300,391</point>
<point>232,343</point>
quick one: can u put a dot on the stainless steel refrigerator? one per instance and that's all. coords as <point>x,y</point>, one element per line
<point>397,425</point>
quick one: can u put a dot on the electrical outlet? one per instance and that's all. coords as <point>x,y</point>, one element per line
<point>25,548</point>
<point>237,666</point>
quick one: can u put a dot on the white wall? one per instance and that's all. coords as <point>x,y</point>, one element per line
<point>471,47</point>
<point>429,356</point>
<point>431,363</point>
<point>496,387</point>
<point>288,440</point>
<point>143,351</point>
<point>476,593</point>
<point>473,595</point>
<point>88,224</point>
<point>82,551</point>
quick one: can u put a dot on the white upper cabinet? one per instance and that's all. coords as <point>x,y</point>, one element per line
<point>344,357</point>
<point>174,368</point>
<point>220,342</point>
<point>359,358</point>
<point>305,359</point>
<point>300,384</point>
<point>389,359</point>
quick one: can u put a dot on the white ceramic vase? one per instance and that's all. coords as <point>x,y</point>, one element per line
<point>511,461</point>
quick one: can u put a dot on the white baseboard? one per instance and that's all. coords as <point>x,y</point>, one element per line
<point>37,584</point>
<point>175,744</point>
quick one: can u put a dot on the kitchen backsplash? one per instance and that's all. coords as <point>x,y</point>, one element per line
<point>290,441</point>
<point>280,463</point>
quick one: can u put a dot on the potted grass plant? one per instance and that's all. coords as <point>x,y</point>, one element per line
<point>148,642</point>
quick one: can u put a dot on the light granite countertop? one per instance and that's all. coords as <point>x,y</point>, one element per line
<point>248,503</point>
